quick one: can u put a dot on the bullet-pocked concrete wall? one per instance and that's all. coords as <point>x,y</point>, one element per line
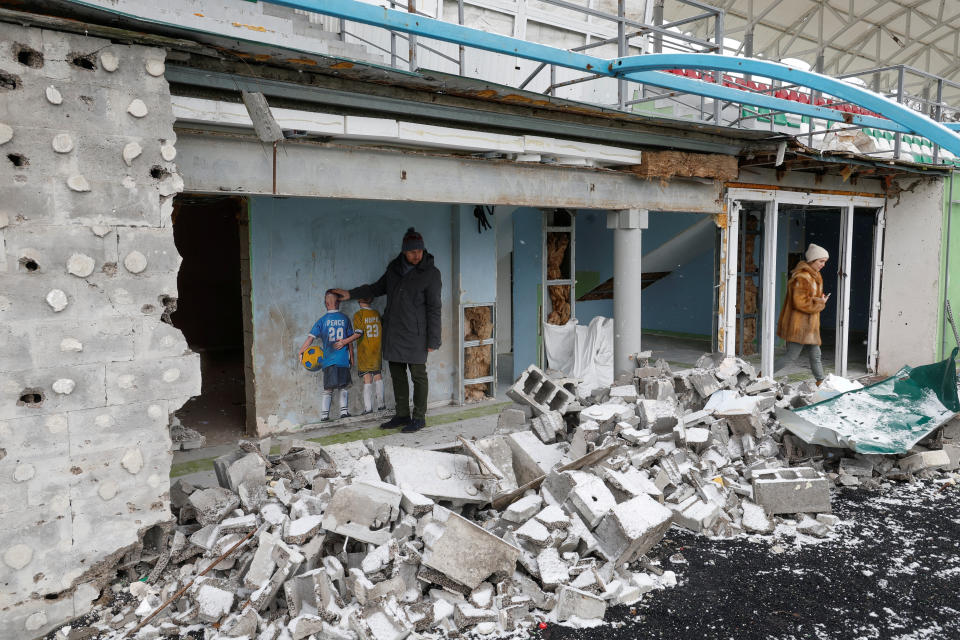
<point>89,371</point>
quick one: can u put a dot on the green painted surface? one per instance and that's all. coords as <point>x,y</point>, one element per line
<point>369,433</point>
<point>587,281</point>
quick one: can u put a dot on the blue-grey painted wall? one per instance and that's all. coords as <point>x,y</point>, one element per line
<point>301,247</point>
<point>527,270</point>
<point>476,256</point>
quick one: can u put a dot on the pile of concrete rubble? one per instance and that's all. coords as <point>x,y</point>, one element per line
<point>550,519</point>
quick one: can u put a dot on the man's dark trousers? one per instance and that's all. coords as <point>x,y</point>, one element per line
<point>401,389</point>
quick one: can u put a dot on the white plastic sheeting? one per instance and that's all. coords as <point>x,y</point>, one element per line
<point>581,352</point>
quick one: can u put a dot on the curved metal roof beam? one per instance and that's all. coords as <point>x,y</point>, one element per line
<point>896,112</point>
<point>647,69</point>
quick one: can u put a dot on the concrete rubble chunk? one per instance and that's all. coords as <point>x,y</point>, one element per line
<point>523,509</point>
<point>213,603</point>
<point>755,518</point>
<point>363,510</point>
<point>590,497</point>
<point>549,426</point>
<point>574,603</point>
<point>632,528</point>
<point>213,504</point>
<point>466,553</point>
<point>553,570</point>
<point>235,468</point>
<point>532,458</point>
<point>925,460</point>
<point>536,522</point>
<point>438,475</point>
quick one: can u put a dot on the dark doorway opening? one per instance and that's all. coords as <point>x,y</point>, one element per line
<point>209,233</point>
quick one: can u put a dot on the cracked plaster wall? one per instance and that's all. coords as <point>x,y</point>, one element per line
<point>88,372</point>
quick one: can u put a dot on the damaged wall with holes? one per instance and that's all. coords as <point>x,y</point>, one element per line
<point>89,372</point>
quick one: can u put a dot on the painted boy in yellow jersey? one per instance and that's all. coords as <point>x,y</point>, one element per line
<point>369,360</point>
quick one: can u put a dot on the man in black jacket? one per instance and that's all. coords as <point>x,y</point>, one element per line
<point>411,325</point>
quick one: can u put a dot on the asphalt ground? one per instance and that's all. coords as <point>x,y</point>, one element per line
<point>891,571</point>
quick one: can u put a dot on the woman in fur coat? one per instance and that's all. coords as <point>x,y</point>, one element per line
<point>799,321</point>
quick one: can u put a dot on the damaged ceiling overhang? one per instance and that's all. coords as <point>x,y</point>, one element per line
<point>206,65</point>
<point>213,66</point>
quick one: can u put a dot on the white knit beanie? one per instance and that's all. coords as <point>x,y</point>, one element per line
<point>815,252</point>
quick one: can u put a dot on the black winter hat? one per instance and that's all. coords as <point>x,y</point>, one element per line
<point>412,240</point>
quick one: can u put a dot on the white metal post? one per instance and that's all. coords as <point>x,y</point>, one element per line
<point>768,313</point>
<point>843,289</point>
<point>731,240</point>
<point>876,278</point>
<point>628,226</point>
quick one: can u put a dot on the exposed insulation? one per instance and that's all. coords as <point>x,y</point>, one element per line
<point>557,245</point>
<point>477,361</point>
<point>670,164</point>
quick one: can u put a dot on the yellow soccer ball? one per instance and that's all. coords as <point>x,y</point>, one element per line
<point>311,358</point>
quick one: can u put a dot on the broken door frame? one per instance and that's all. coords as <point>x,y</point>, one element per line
<point>773,198</point>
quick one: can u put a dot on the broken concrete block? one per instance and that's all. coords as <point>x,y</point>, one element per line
<point>213,505</point>
<point>574,603</point>
<point>511,419</point>
<point>523,509</point>
<point>533,532</point>
<point>213,603</point>
<point>630,483</point>
<point>828,519</point>
<point>300,530</point>
<point>415,504</point>
<point>242,625</point>
<point>656,415</point>
<point>553,518</point>
<point>466,553</point>
<point>743,420</point>
<point>590,497</point>
<point>611,412</point>
<point>755,518</point>
<point>706,384</point>
<point>549,426</point>
<point>305,625</point>
<point>498,450</point>
<point>438,475</point>
<point>553,571</point>
<point>363,510</point>
<point>791,490</point>
<point>531,457</point>
<point>813,527</point>
<point>925,460</point>
<point>467,615</point>
<point>856,467</point>
<point>236,467</point>
<point>696,514</point>
<point>632,528</point>
<point>535,389</point>
<point>953,453</point>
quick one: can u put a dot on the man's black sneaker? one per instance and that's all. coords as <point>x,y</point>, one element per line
<point>396,422</point>
<point>415,425</point>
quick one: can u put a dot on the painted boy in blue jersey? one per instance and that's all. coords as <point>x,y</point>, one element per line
<point>336,335</point>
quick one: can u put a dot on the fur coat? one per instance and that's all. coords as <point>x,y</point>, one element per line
<point>800,315</point>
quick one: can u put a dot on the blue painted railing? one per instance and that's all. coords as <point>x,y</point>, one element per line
<point>647,69</point>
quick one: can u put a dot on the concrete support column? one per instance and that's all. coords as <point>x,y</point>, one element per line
<point>628,226</point>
